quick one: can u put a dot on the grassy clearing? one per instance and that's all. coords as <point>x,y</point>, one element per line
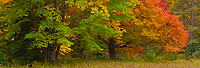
<point>131,64</point>
<point>116,64</point>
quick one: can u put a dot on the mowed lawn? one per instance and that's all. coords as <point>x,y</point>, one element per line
<point>117,64</point>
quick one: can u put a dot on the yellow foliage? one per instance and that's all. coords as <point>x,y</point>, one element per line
<point>170,2</point>
<point>98,4</point>
<point>65,49</point>
<point>100,1</point>
<point>90,3</point>
<point>94,9</point>
<point>150,34</point>
<point>139,23</point>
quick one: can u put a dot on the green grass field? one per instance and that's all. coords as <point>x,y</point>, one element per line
<point>115,64</point>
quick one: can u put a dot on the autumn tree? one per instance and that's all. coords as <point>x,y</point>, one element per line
<point>155,26</point>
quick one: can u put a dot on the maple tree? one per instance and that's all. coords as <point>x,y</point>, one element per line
<point>159,27</point>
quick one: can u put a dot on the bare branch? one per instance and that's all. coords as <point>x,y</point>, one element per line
<point>62,6</point>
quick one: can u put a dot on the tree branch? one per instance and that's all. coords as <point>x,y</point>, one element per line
<point>62,15</point>
<point>57,3</point>
<point>63,5</point>
<point>125,45</point>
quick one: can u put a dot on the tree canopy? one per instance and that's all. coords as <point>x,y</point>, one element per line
<point>53,27</point>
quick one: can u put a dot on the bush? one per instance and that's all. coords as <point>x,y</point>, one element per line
<point>170,56</point>
<point>193,51</point>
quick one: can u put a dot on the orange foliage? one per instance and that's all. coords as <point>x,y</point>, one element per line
<point>159,25</point>
<point>4,1</point>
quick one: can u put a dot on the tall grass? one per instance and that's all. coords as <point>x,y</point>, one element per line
<point>105,63</point>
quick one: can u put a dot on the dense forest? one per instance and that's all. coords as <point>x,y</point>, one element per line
<point>51,30</point>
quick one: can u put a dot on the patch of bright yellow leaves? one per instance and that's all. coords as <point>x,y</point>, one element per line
<point>65,49</point>
<point>98,7</point>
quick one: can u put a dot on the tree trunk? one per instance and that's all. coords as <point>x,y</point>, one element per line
<point>192,21</point>
<point>191,25</point>
<point>52,52</point>
<point>111,48</point>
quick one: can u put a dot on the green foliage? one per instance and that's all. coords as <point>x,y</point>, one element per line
<point>150,54</point>
<point>100,55</point>
<point>121,6</point>
<point>13,44</point>
<point>193,51</point>
<point>170,56</point>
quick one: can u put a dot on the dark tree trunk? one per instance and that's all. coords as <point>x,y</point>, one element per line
<point>112,44</point>
<point>111,48</point>
<point>52,52</point>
